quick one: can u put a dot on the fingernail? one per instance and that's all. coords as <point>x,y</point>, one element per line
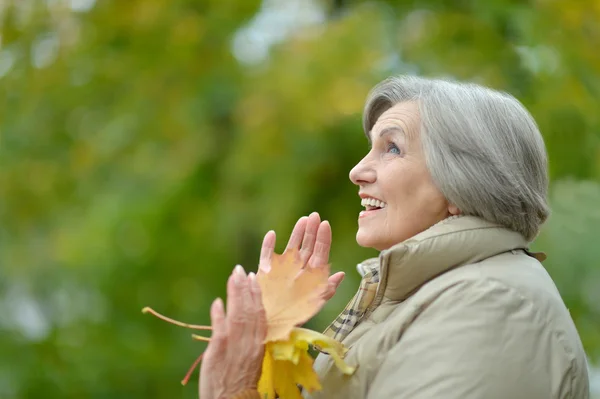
<point>218,306</point>
<point>238,274</point>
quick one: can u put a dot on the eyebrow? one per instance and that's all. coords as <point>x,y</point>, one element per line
<point>389,130</point>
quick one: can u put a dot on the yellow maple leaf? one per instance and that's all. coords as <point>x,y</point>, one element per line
<point>287,364</point>
<point>291,294</point>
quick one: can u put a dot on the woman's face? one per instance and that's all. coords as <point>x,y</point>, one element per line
<point>395,186</point>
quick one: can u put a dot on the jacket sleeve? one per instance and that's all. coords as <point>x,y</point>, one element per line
<point>478,339</point>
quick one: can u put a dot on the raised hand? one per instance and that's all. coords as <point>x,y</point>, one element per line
<point>312,237</point>
<point>233,359</point>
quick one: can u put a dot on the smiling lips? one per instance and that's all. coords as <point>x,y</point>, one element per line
<point>372,205</point>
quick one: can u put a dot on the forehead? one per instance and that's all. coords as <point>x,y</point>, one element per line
<point>402,117</point>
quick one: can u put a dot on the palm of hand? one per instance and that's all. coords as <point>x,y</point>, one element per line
<point>312,238</point>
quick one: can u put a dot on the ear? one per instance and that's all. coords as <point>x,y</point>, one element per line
<point>453,210</point>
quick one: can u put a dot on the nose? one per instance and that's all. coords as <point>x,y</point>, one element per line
<point>363,173</point>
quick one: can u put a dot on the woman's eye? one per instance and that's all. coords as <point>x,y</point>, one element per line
<point>393,148</point>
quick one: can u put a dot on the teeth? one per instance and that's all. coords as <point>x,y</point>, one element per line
<point>373,202</point>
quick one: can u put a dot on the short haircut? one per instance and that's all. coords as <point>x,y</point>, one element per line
<point>482,147</point>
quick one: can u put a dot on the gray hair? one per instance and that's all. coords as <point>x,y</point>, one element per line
<point>482,147</point>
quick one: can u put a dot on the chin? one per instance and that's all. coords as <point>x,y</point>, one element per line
<point>367,240</point>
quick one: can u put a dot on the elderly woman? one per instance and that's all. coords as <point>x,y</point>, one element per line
<point>455,306</point>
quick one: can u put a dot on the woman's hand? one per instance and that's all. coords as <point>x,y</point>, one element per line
<point>233,359</point>
<point>313,238</point>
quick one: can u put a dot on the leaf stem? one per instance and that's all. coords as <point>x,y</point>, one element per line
<point>172,321</point>
<point>200,338</point>
<point>191,370</point>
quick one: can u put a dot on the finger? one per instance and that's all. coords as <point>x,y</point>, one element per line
<point>238,296</point>
<point>297,234</point>
<point>336,278</point>
<point>250,345</point>
<point>320,255</point>
<point>259,313</point>
<point>333,283</point>
<point>218,339</point>
<point>252,362</point>
<point>266,252</point>
<point>310,236</point>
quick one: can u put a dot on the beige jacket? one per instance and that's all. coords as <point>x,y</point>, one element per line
<point>461,311</point>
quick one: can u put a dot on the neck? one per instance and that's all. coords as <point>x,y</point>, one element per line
<point>446,220</point>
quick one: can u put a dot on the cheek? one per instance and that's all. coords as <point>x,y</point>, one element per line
<point>412,189</point>
<point>414,206</point>
<point>401,182</point>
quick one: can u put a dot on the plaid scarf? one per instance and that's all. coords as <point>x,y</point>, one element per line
<point>356,308</point>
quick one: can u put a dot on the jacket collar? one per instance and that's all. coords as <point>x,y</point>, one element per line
<point>453,242</point>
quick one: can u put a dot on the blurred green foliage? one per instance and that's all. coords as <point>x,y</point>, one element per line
<point>147,146</point>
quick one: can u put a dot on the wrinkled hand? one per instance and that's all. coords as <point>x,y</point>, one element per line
<point>313,238</point>
<point>233,359</point>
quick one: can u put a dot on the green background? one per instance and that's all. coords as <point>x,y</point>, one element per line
<point>146,146</point>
